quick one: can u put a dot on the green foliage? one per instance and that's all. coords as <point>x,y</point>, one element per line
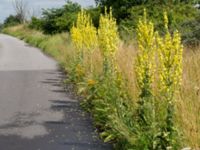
<point>182,17</point>
<point>35,23</point>
<point>59,20</point>
<point>95,15</point>
<point>121,7</point>
<point>181,13</point>
<point>56,20</point>
<point>1,27</point>
<point>191,31</point>
<point>11,21</point>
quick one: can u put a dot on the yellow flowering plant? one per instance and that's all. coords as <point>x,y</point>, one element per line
<point>170,51</point>
<point>83,33</point>
<point>145,58</point>
<point>145,72</point>
<point>108,38</point>
<point>84,38</point>
<point>109,96</point>
<point>157,130</point>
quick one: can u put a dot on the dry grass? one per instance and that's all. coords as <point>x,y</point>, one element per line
<point>126,59</point>
<point>188,103</point>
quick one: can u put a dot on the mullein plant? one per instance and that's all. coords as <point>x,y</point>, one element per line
<point>155,130</point>
<point>110,95</point>
<point>108,39</point>
<point>170,54</point>
<point>145,72</point>
<point>107,98</point>
<point>84,38</point>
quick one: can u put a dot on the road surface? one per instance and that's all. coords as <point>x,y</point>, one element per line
<point>35,111</point>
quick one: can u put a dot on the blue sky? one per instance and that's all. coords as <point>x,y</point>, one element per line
<point>35,6</point>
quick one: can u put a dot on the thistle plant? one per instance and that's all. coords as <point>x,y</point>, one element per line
<point>108,38</point>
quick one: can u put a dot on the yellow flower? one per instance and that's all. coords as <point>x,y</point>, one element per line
<point>108,34</point>
<point>83,33</point>
<point>80,70</point>
<point>166,21</point>
<point>146,53</point>
<point>91,82</point>
<point>84,38</point>
<point>170,52</point>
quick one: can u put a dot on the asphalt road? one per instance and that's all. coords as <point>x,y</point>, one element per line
<point>35,111</point>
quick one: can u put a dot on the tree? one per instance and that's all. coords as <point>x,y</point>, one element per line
<point>1,27</point>
<point>57,20</point>
<point>20,7</point>
<point>121,7</point>
<point>11,21</point>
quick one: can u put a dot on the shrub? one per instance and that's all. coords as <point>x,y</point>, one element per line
<point>11,21</point>
<point>191,31</point>
<point>58,20</point>
<point>178,15</point>
<point>35,23</point>
<point>95,15</point>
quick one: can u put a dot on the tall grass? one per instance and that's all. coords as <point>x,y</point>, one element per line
<point>188,103</point>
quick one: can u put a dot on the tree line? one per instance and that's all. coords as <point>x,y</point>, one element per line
<point>181,13</point>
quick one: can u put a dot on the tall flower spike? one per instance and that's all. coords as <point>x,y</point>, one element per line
<point>170,55</point>
<point>84,34</point>
<point>166,21</point>
<point>108,35</point>
<point>145,57</point>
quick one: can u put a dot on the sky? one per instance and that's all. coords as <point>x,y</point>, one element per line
<point>35,6</point>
